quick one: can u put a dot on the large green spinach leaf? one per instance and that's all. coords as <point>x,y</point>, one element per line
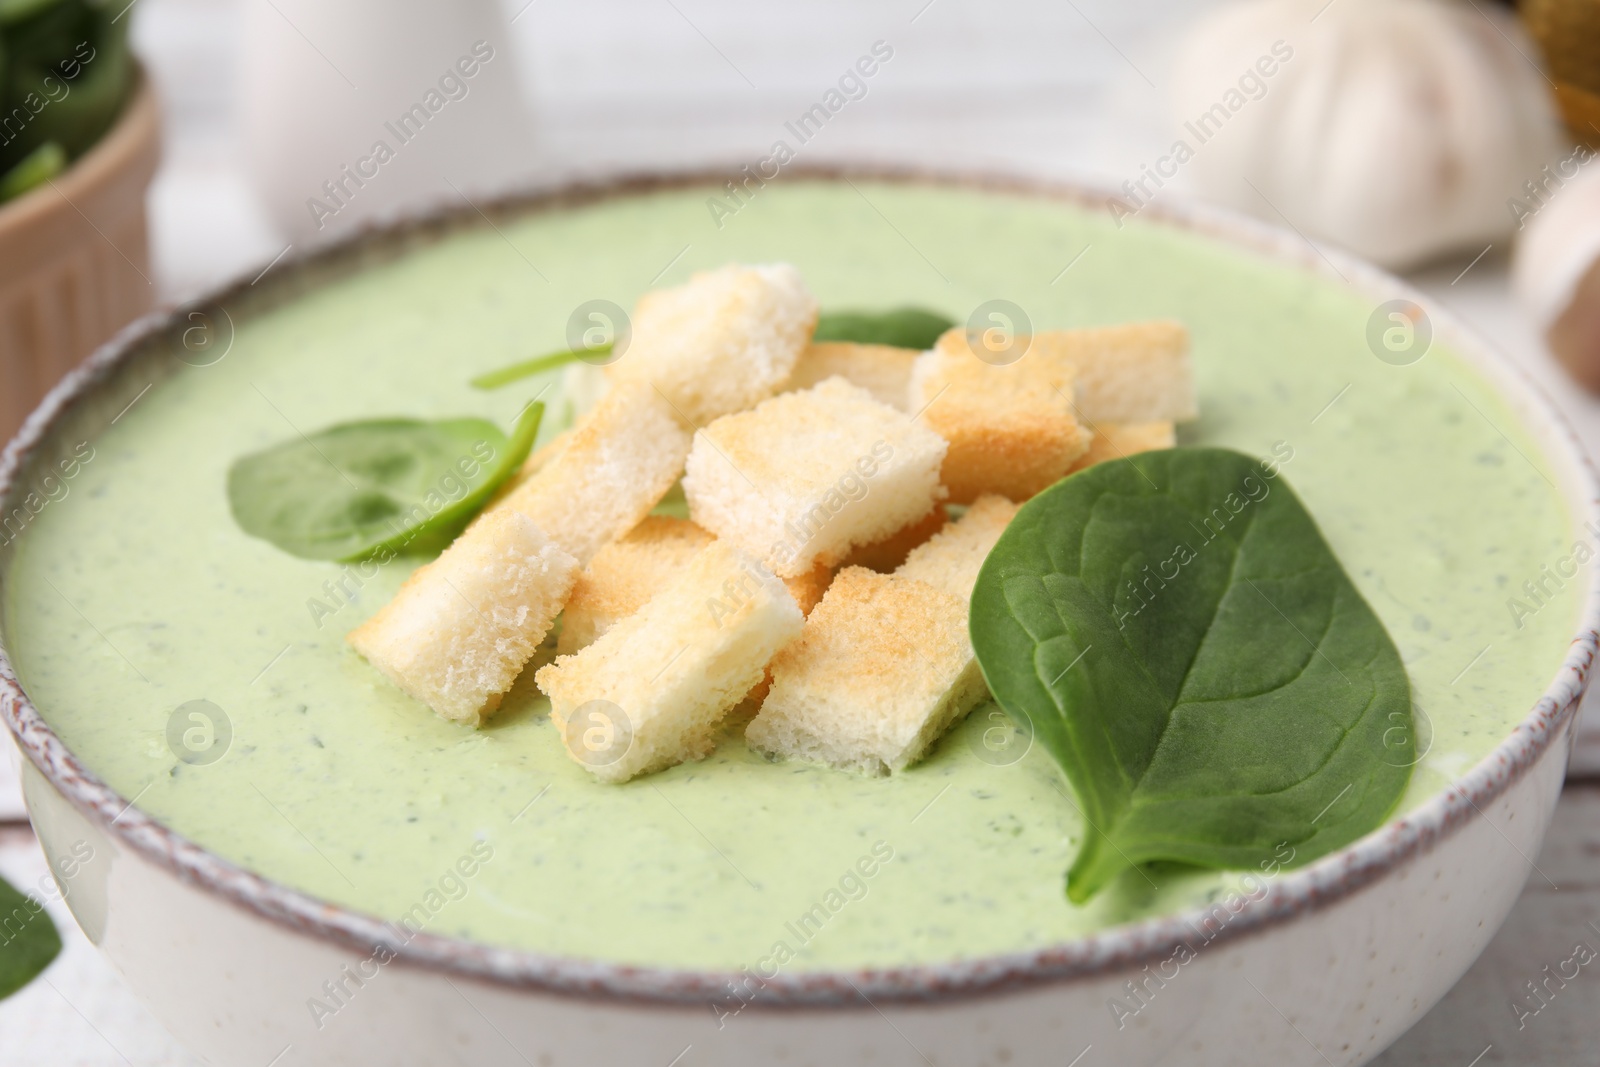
<point>1181,638</point>
<point>369,489</point>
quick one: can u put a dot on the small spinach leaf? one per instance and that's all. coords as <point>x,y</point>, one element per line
<point>373,488</point>
<point>1186,646</point>
<point>28,939</point>
<point>907,327</point>
<point>538,365</point>
<point>902,327</point>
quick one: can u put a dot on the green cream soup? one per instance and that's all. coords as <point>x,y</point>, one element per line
<point>136,593</point>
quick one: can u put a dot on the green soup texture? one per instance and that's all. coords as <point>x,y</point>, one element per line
<point>136,594</point>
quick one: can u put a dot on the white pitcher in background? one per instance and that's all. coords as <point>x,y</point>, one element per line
<point>355,108</point>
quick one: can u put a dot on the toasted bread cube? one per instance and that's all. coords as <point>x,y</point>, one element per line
<point>607,473</point>
<point>458,632</point>
<point>882,370</point>
<point>650,692</point>
<point>808,590</point>
<point>583,386</point>
<point>597,484</point>
<point>885,555</point>
<point>1140,372</point>
<point>1118,440</point>
<point>951,558</point>
<point>537,461</point>
<point>804,477</point>
<point>882,668</point>
<point>884,665</point>
<point>1010,426</point>
<point>722,342</point>
<point>625,574</point>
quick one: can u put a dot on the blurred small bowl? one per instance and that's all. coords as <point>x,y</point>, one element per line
<point>74,260</point>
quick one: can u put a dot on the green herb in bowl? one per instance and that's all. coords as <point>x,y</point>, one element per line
<point>906,327</point>
<point>374,488</point>
<point>1184,643</point>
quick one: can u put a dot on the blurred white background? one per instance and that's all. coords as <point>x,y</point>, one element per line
<point>1027,86</point>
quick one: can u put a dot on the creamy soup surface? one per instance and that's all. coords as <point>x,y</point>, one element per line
<point>136,593</point>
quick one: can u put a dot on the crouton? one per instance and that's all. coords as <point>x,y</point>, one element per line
<point>540,458</point>
<point>625,574</point>
<point>537,461</point>
<point>597,485</point>
<point>884,665</point>
<point>881,669</point>
<point>460,629</point>
<point>650,692</point>
<point>951,558</point>
<point>882,370</point>
<point>1010,426</point>
<point>1014,428</point>
<point>1116,440</point>
<point>887,554</point>
<point>610,471</point>
<point>807,590</point>
<point>1140,372</point>
<point>804,477</point>
<point>583,386</point>
<point>722,342</point>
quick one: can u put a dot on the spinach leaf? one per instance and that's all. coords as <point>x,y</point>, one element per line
<point>903,327</point>
<point>1186,646</point>
<point>538,365</point>
<point>28,939</point>
<point>371,489</point>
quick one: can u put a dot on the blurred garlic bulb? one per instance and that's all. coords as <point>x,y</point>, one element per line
<point>1556,270</point>
<point>1396,128</point>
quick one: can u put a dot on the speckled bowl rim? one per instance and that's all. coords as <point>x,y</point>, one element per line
<point>1292,894</point>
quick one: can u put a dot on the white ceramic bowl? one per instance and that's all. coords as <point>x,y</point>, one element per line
<point>1331,965</point>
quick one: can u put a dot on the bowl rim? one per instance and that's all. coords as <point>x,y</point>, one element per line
<point>1290,895</point>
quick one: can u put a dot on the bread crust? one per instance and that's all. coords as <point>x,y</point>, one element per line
<point>885,555</point>
<point>460,629</point>
<point>882,370</point>
<point>884,665</point>
<point>666,676</point>
<point>625,574</point>
<point>721,342</point>
<point>881,669</point>
<point>1011,426</point>
<point>1136,372</point>
<point>609,472</point>
<point>950,559</point>
<point>1118,440</point>
<point>804,477</point>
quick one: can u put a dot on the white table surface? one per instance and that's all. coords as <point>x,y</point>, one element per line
<point>628,84</point>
